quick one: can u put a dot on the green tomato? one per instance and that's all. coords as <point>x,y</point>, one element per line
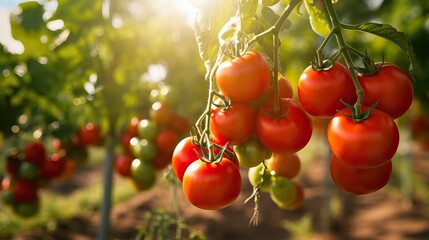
<point>258,173</point>
<point>168,95</point>
<point>251,153</point>
<point>26,209</point>
<point>142,174</point>
<point>147,129</point>
<point>148,150</point>
<point>282,191</point>
<point>7,197</point>
<point>28,170</point>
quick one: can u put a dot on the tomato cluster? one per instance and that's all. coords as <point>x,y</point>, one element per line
<point>37,165</point>
<point>148,143</point>
<point>362,146</point>
<point>243,119</point>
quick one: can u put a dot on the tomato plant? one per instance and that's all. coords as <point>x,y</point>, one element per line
<point>359,181</point>
<point>245,78</point>
<point>365,144</point>
<point>289,133</point>
<point>390,87</point>
<point>212,186</point>
<point>320,92</point>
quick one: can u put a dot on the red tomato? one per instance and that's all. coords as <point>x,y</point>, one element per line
<point>288,134</point>
<point>285,89</point>
<point>24,191</point>
<point>54,166</point>
<point>212,186</point>
<point>132,126</point>
<point>89,134</point>
<point>161,161</point>
<point>366,144</point>
<point>180,124</point>
<point>125,141</point>
<point>35,152</point>
<point>297,200</point>
<point>359,181</point>
<point>391,86</point>
<point>123,165</point>
<point>245,78</point>
<point>234,125</point>
<point>12,164</point>
<point>183,155</point>
<point>284,165</point>
<point>166,140</point>
<point>320,92</point>
<point>161,113</point>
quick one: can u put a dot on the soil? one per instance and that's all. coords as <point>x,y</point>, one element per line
<point>381,215</point>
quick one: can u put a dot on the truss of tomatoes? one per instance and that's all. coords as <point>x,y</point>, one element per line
<point>148,144</point>
<point>35,167</point>
<point>361,150</point>
<point>253,134</point>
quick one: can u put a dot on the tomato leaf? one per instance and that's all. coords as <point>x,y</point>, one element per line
<point>318,17</point>
<point>390,33</point>
<point>269,2</point>
<point>269,16</point>
<point>248,9</point>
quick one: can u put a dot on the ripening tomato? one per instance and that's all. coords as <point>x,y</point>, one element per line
<point>212,186</point>
<point>366,144</point>
<point>282,191</point>
<point>391,86</point>
<point>320,92</point>
<point>35,152</point>
<point>125,141</point>
<point>133,125</point>
<point>89,134</point>
<point>245,78</point>
<point>161,113</point>
<point>123,165</point>
<point>359,181</point>
<point>284,165</point>
<point>234,125</point>
<point>142,174</point>
<point>289,133</point>
<point>147,129</point>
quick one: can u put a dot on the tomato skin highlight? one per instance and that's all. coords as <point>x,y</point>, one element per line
<point>212,186</point>
<point>359,181</point>
<point>289,133</point>
<point>234,125</point>
<point>366,144</point>
<point>320,92</point>
<point>391,87</point>
<point>245,78</point>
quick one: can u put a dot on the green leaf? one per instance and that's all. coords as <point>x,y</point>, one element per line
<point>247,9</point>
<point>269,16</point>
<point>390,33</point>
<point>269,2</point>
<point>318,18</point>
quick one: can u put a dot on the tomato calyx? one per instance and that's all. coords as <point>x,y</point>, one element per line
<point>324,65</point>
<point>358,115</point>
<point>282,112</point>
<point>370,68</point>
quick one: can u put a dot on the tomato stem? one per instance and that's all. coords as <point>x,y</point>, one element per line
<point>345,48</point>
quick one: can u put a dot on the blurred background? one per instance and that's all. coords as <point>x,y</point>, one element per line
<point>68,62</point>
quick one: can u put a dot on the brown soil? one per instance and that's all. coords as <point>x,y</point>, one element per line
<point>381,215</point>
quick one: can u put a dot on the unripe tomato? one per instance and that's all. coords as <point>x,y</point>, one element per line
<point>251,153</point>
<point>282,191</point>
<point>284,165</point>
<point>142,174</point>
<point>255,176</point>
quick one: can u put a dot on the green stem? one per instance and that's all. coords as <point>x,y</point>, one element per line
<point>319,52</point>
<point>337,30</point>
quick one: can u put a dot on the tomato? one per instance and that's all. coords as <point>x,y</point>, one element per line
<point>282,191</point>
<point>234,125</point>
<point>185,153</point>
<point>28,170</point>
<point>297,201</point>
<point>12,164</point>
<point>35,152</point>
<point>89,134</point>
<point>161,113</point>
<point>245,78</point>
<point>54,166</point>
<point>251,153</point>
<point>255,176</point>
<point>27,209</point>
<point>162,160</point>
<point>366,144</point>
<point>166,140</point>
<point>391,86</point>
<point>180,125</point>
<point>169,96</point>
<point>320,92</point>
<point>123,165</point>
<point>288,134</point>
<point>7,197</point>
<point>284,165</point>
<point>147,150</point>
<point>142,174</point>
<point>147,129</point>
<point>133,125</point>
<point>359,181</point>
<point>285,89</point>
<point>212,186</point>
<point>125,141</point>
<point>24,191</point>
